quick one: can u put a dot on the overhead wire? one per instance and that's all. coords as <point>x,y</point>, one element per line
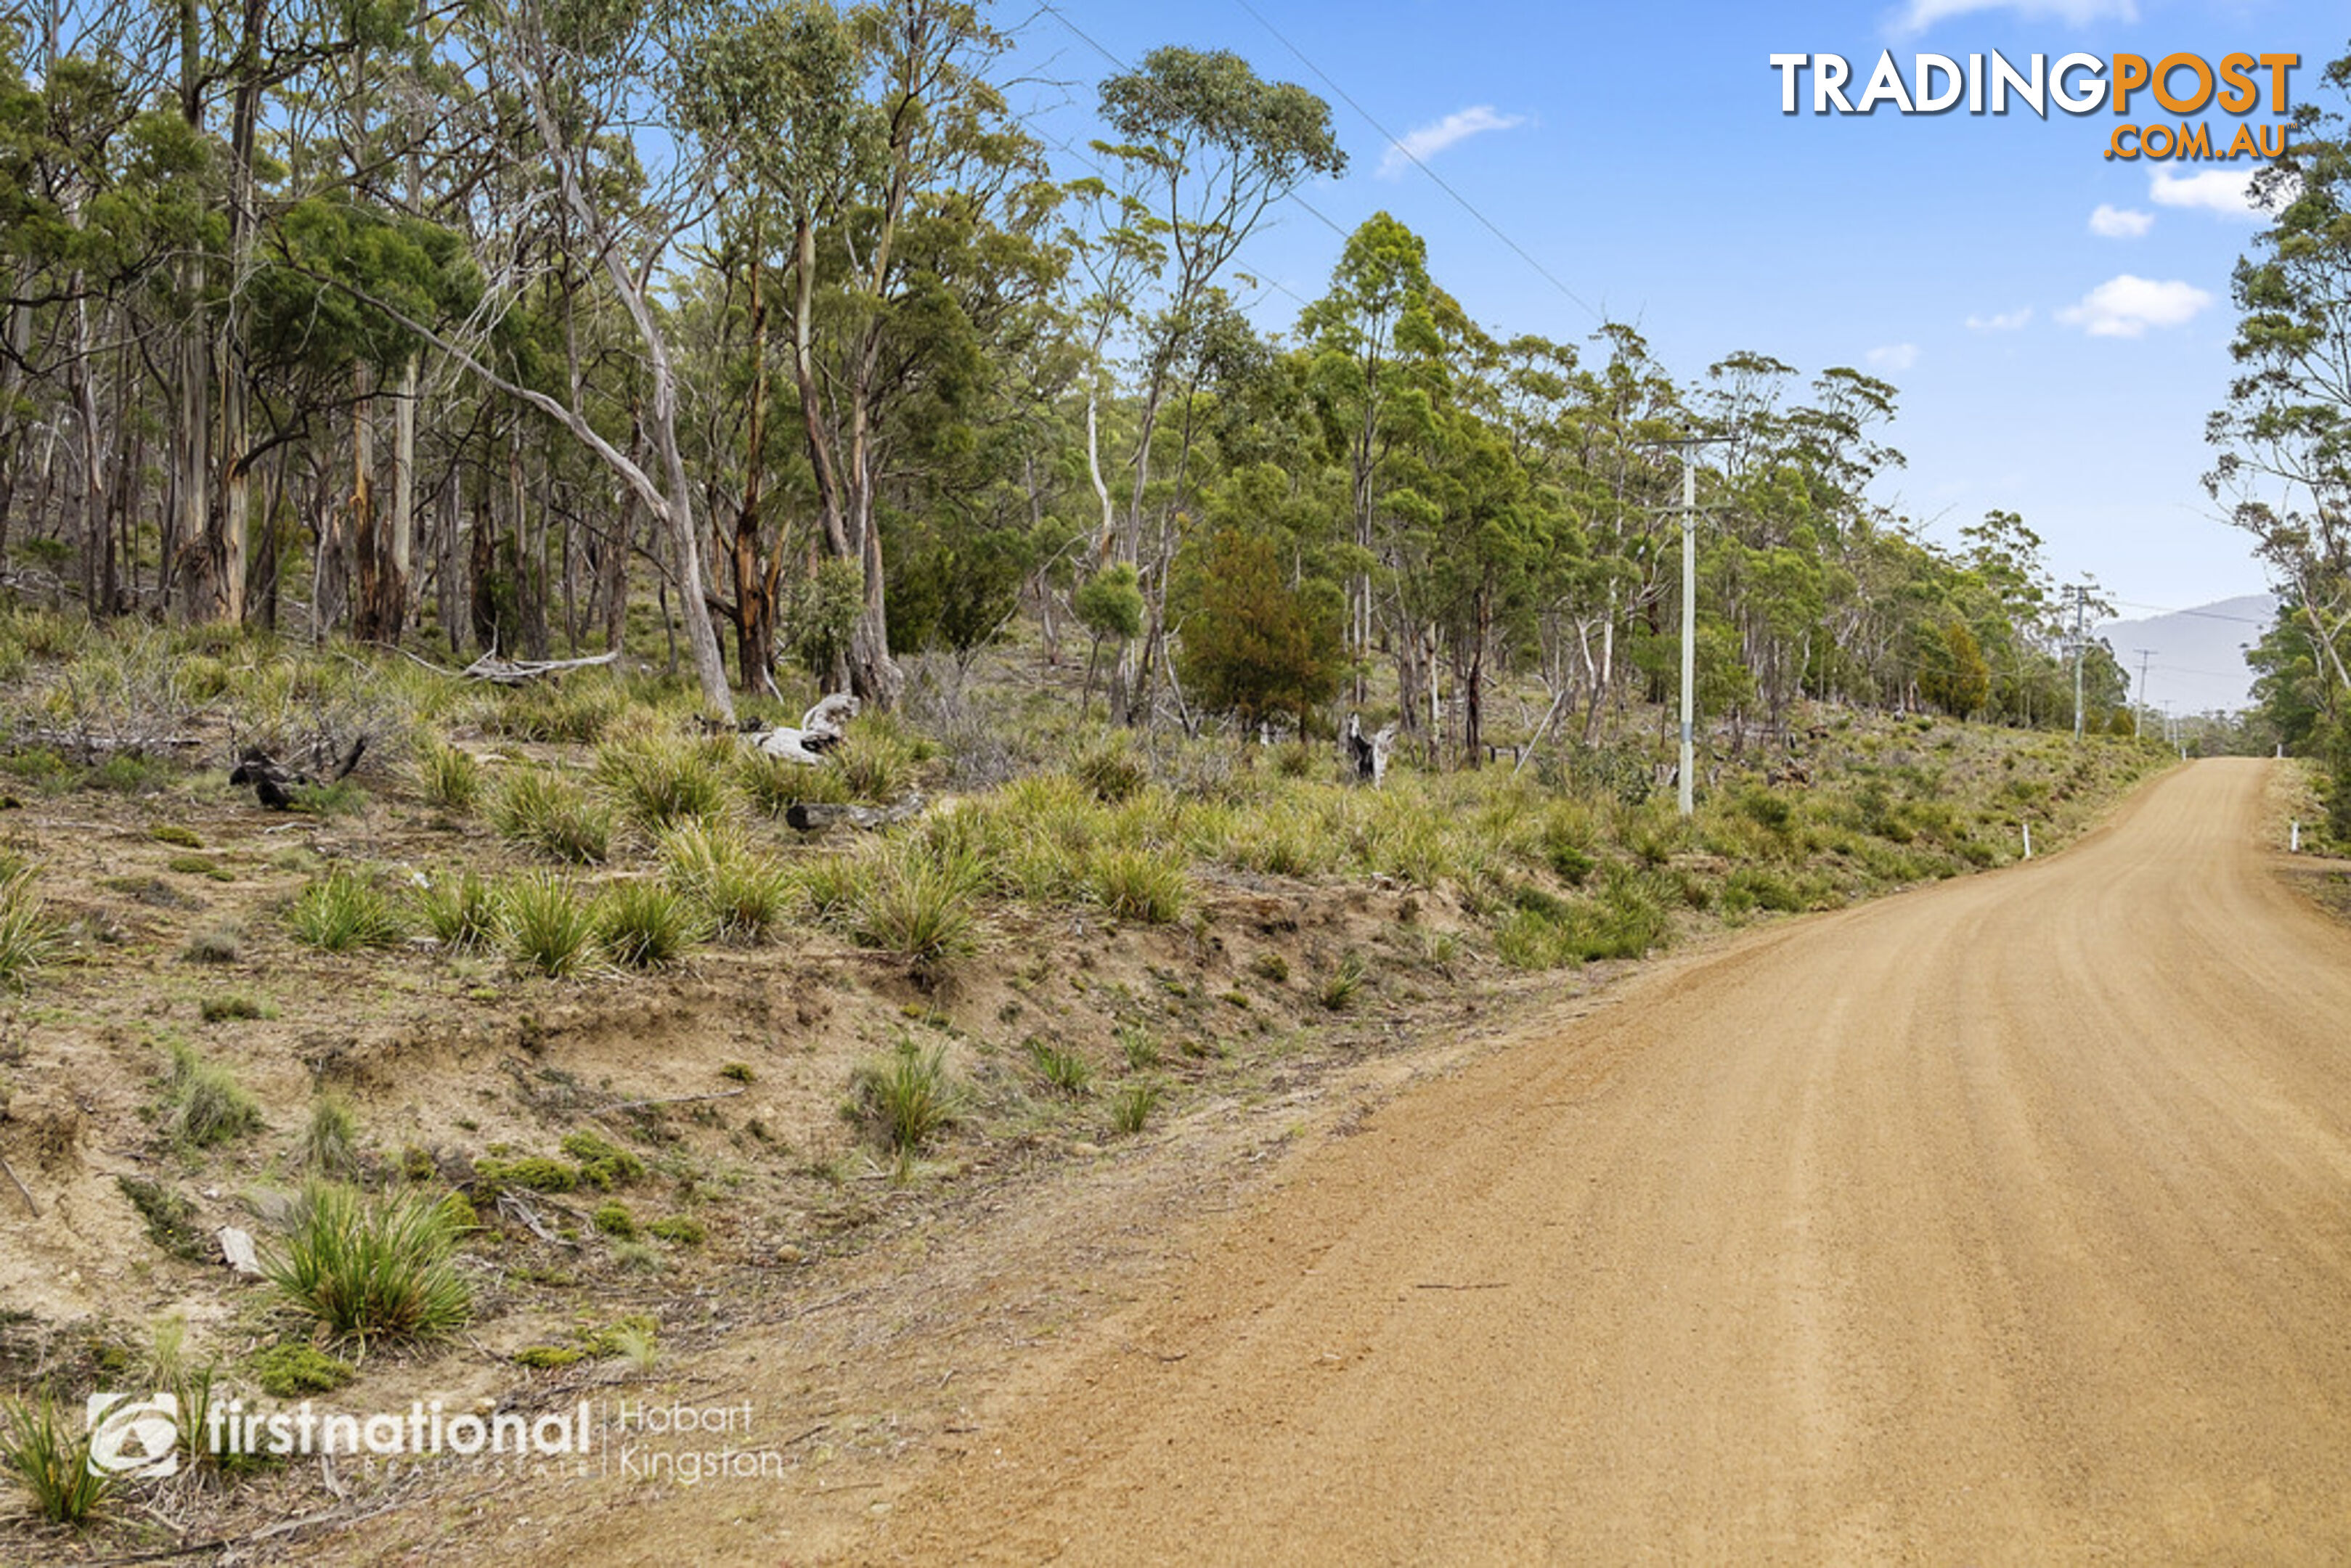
<point>1418,162</point>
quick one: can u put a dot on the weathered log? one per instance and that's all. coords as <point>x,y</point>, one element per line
<point>514,672</point>
<point>811,816</point>
<point>821,728</point>
<point>273,785</point>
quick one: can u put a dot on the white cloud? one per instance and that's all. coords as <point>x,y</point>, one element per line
<point>2001,321</point>
<point>1429,140</point>
<point>1893,357</point>
<point>1920,15</point>
<point>2120,223</point>
<point>2228,192</point>
<point>2126,306</point>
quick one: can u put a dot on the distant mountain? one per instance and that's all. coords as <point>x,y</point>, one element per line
<point>2197,660</point>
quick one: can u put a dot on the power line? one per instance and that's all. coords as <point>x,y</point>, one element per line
<point>1397,142</point>
<point>2199,615</point>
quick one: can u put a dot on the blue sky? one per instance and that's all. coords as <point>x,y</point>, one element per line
<point>1639,153</point>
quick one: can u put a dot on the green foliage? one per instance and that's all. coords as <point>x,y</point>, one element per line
<point>170,1218</point>
<point>740,893</point>
<point>448,777</point>
<point>822,610</point>
<point>461,910</point>
<point>680,1229</point>
<point>545,812</point>
<point>613,1219</point>
<point>921,906</point>
<point>1345,983</point>
<point>1140,885</point>
<point>372,1269</point>
<point>603,1164</point>
<point>1109,604</point>
<point>49,1452</point>
<point>644,924</point>
<point>295,1371</point>
<point>1132,1107</point>
<point>660,782</point>
<point>344,913</point>
<point>330,1144</point>
<point>545,926</point>
<point>534,1173</point>
<point>1257,646</point>
<point>28,936</point>
<point>1063,1069</point>
<point>906,1099</point>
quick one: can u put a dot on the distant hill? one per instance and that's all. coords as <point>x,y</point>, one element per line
<point>2199,661</point>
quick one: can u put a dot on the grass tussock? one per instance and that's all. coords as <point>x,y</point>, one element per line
<point>906,1099</point>
<point>740,893</point>
<point>543,812</point>
<point>28,936</point>
<point>48,1452</point>
<point>644,924</point>
<point>657,782</point>
<point>461,910</point>
<point>546,927</point>
<point>204,1105</point>
<point>449,780</point>
<point>345,913</point>
<point>372,1268</point>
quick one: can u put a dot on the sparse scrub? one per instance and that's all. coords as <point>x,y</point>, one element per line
<point>296,1371</point>
<point>1130,1107</point>
<point>232,1007</point>
<point>330,1144</point>
<point>740,893</point>
<point>603,1163</point>
<point>1345,983</point>
<point>920,906</point>
<point>344,913</point>
<point>28,936</point>
<point>367,1268</point>
<point>1140,885</point>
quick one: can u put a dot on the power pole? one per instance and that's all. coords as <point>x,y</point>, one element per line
<point>2080,593</point>
<point>2139,697</point>
<point>1686,795</point>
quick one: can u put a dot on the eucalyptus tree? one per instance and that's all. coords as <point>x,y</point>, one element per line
<point>2284,468</point>
<point>1204,146</point>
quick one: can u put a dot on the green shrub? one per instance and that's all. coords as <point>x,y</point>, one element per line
<point>1345,983</point>
<point>906,1099</point>
<point>613,1219</point>
<point>231,1007</point>
<point>546,927</point>
<point>171,1219</point>
<point>534,1173</point>
<point>204,1105</point>
<point>644,926</point>
<point>680,1229</point>
<point>179,837</point>
<point>1138,885</point>
<point>1130,1107</point>
<point>344,913</point>
<point>544,812</point>
<point>372,1269</point>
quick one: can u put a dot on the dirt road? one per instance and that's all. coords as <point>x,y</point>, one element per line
<point>2005,1221</point>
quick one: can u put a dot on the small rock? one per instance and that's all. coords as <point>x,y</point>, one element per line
<point>1085,1148</point>
<point>788,1253</point>
<point>236,1251</point>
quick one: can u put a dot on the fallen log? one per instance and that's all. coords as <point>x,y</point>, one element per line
<point>813,816</point>
<point>514,672</point>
